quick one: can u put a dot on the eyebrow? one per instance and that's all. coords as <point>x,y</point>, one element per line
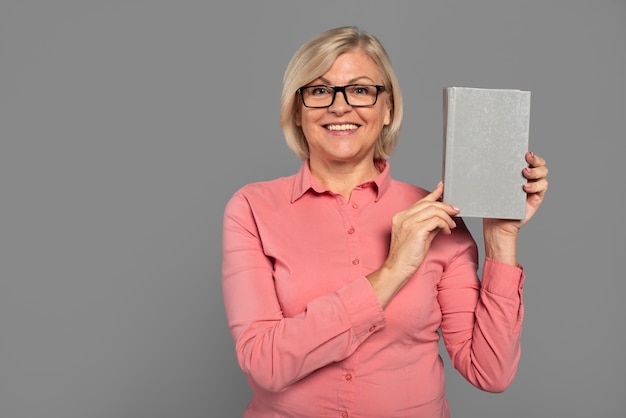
<point>354,80</point>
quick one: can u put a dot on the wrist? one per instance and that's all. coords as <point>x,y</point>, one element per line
<point>386,283</point>
<point>501,246</point>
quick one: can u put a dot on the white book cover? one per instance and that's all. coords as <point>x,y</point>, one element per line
<point>486,135</point>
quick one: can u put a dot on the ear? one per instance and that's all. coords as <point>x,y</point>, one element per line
<point>298,116</point>
<point>388,110</point>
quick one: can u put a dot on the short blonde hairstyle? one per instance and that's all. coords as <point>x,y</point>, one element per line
<point>315,58</point>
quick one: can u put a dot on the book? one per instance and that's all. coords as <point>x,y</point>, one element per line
<point>486,135</point>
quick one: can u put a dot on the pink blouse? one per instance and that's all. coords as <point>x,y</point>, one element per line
<point>308,329</point>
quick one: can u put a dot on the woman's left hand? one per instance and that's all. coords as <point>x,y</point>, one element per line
<point>502,230</point>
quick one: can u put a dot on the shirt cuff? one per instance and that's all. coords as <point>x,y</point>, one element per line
<point>362,307</point>
<point>503,279</point>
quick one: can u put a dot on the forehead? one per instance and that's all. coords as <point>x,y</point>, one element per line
<point>353,66</point>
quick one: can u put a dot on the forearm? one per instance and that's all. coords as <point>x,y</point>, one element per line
<point>385,285</point>
<point>484,344</point>
<point>276,351</point>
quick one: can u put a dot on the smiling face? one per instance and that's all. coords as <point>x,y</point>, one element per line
<point>342,133</point>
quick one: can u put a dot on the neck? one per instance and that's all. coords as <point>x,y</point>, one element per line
<point>342,178</point>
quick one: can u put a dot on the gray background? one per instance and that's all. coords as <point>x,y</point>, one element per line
<point>126,125</point>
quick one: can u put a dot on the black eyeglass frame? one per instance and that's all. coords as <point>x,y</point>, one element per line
<point>341,89</point>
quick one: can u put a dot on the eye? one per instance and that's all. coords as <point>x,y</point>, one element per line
<point>319,90</point>
<point>361,90</point>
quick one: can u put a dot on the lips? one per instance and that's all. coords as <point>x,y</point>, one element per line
<point>341,127</point>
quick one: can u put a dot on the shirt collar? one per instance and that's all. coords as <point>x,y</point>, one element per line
<point>304,181</point>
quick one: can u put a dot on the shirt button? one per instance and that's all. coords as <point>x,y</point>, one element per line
<point>344,414</point>
<point>355,205</point>
<point>373,328</point>
<point>348,377</point>
<point>355,261</point>
<point>351,231</point>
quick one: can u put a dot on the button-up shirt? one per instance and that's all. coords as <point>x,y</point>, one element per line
<point>309,331</point>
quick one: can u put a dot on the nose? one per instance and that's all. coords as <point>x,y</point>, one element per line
<point>340,104</point>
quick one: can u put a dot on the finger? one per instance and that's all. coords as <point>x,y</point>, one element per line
<point>425,209</point>
<point>536,187</point>
<point>426,220</point>
<point>439,214</point>
<point>446,227</point>
<point>534,160</point>
<point>536,173</point>
<point>432,226</point>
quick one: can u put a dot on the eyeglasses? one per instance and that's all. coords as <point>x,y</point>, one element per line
<point>355,94</point>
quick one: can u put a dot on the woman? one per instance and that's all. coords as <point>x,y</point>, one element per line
<point>338,279</point>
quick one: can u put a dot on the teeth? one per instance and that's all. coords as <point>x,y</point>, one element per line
<point>344,127</point>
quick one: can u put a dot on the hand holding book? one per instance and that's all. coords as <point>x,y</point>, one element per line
<point>500,235</point>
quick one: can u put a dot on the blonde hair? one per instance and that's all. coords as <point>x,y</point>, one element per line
<point>315,58</point>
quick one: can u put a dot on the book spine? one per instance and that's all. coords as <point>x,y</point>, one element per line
<point>448,137</point>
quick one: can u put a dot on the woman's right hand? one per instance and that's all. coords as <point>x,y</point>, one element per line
<point>412,232</point>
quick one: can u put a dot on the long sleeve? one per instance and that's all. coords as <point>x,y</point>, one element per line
<point>274,350</point>
<point>481,326</point>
